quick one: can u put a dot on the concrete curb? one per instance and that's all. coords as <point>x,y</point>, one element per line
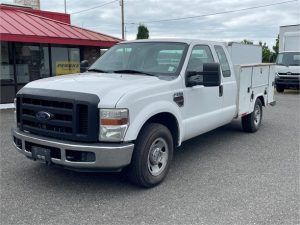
<point>7,106</point>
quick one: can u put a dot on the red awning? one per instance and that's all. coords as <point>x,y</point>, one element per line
<point>21,26</point>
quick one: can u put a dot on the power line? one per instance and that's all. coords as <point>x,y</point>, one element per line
<point>84,10</point>
<point>216,13</point>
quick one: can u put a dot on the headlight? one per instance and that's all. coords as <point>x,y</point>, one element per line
<point>276,74</point>
<point>113,124</point>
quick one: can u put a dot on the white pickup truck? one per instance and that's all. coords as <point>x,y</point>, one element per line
<point>136,103</point>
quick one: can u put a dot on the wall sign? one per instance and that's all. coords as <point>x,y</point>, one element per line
<point>67,67</point>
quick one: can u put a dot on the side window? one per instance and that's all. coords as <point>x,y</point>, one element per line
<point>223,61</point>
<point>200,54</point>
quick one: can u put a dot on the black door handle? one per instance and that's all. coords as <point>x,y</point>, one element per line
<point>221,90</point>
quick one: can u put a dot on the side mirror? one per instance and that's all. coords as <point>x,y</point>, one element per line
<point>211,74</point>
<point>210,77</point>
<point>84,65</point>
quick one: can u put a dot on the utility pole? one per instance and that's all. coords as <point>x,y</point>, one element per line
<point>65,6</point>
<point>122,16</point>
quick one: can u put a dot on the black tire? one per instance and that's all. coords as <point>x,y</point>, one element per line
<point>279,89</point>
<point>252,121</point>
<point>147,142</point>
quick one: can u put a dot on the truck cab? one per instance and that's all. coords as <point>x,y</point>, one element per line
<point>287,71</point>
<point>287,68</point>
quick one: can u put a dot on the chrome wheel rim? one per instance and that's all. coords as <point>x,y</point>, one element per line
<point>257,115</point>
<point>158,156</point>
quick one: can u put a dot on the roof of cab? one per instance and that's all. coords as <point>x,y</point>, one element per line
<point>175,40</point>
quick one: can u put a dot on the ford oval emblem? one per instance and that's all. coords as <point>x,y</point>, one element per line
<point>43,116</point>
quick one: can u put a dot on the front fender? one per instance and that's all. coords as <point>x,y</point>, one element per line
<point>138,119</point>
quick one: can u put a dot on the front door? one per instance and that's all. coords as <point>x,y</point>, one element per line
<point>202,105</point>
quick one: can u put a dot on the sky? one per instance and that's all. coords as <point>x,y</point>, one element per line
<point>260,24</point>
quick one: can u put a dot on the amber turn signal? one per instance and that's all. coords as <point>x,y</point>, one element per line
<point>114,122</point>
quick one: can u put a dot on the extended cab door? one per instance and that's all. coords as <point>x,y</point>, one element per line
<point>229,85</point>
<point>202,105</point>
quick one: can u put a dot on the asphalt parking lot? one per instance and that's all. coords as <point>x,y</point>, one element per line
<point>223,177</point>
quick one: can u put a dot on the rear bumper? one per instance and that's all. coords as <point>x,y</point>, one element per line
<point>73,155</point>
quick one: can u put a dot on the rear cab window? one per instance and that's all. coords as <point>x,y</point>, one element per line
<point>225,67</point>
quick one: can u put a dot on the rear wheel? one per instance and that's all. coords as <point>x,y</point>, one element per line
<point>279,89</point>
<point>152,155</point>
<point>252,121</point>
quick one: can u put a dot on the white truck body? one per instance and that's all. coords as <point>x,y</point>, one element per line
<point>288,61</point>
<point>244,54</point>
<point>288,40</point>
<point>254,79</point>
<point>186,111</point>
<point>291,41</point>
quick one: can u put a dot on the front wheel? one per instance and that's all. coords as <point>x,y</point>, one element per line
<point>252,121</point>
<point>152,155</point>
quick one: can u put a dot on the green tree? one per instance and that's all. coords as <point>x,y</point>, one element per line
<point>266,52</point>
<point>247,42</point>
<point>143,32</point>
<point>275,49</point>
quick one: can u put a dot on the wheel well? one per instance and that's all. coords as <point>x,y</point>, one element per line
<point>262,99</point>
<point>168,120</point>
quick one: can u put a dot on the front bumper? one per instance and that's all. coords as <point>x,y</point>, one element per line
<point>73,155</point>
<point>286,82</point>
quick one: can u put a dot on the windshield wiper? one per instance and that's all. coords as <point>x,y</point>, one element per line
<point>97,70</point>
<point>134,72</point>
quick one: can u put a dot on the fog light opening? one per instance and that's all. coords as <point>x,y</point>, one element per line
<point>80,156</point>
<point>18,142</point>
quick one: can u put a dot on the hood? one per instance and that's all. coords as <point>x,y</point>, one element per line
<point>108,87</point>
<point>285,69</point>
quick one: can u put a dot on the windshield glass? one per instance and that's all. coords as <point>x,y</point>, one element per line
<point>288,59</point>
<point>156,58</point>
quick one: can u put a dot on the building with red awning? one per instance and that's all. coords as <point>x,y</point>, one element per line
<point>37,44</point>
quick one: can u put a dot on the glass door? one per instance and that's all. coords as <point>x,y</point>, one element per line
<point>32,63</point>
<point>7,80</point>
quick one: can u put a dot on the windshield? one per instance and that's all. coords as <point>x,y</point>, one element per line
<point>288,59</point>
<point>150,58</point>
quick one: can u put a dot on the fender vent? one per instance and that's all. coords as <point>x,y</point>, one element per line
<point>179,99</point>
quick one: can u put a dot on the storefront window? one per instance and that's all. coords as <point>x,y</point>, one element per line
<point>22,63</point>
<point>6,61</point>
<point>32,62</point>
<point>65,60</point>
